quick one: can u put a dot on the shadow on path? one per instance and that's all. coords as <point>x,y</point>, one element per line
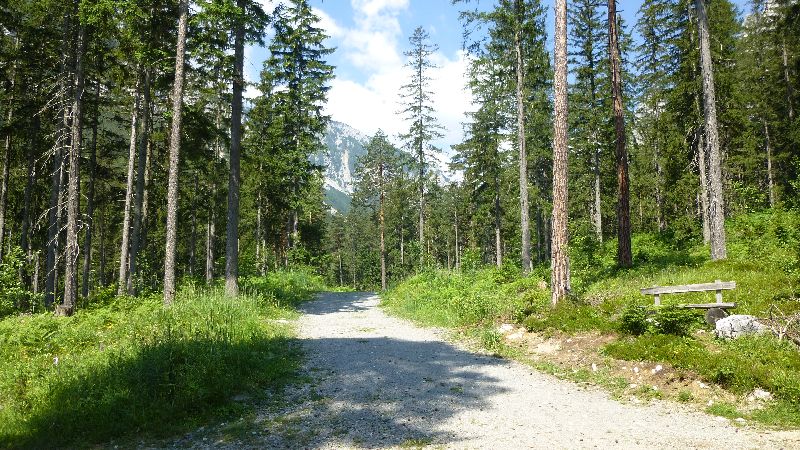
<point>384,387</point>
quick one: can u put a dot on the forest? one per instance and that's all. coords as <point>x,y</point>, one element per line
<point>135,172</point>
<point>671,135</point>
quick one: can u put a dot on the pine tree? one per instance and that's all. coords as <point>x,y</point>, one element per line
<point>590,109</point>
<point>560,279</point>
<point>624,257</point>
<point>375,172</point>
<point>174,151</point>
<point>716,204</point>
<point>419,112</point>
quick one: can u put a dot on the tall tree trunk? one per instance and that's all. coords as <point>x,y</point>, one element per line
<point>341,273</point>
<point>660,216</point>
<point>87,239</point>
<point>717,203</point>
<point>232,228</point>
<point>402,241</point>
<point>29,184</point>
<point>129,186</point>
<point>141,168</point>
<point>770,179</point>
<point>53,228</point>
<point>383,228</point>
<point>498,240</point>
<point>624,257</point>
<point>457,256</point>
<point>57,187</point>
<point>210,236</point>
<point>102,231</point>
<point>524,207</point>
<point>174,154</point>
<point>421,156</point>
<point>787,80</point>
<point>7,158</point>
<point>193,238</point>
<point>702,162</point>
<point>71,259</point>
<point>560,283</point>
<point>597,204</point>
<point>5,175</point>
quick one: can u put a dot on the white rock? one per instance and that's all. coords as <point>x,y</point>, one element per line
<point>594,367</point>
<point>710,403</point>
<point>737,325</point>
<point>635,370</point>
<point>659,368</point>
<point>759,394</point>
<point>519,334</point>
<point>740,420</point>
<point>702,385</point>
<point>505,328</point>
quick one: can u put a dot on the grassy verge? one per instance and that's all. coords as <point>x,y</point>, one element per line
<point>129,366</point>
<point>764,260</point>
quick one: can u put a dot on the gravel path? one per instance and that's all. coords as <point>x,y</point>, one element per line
<point>384,382</point>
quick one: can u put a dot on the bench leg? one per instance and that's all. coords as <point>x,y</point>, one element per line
<point>718,295</point>
<point>657,299</point>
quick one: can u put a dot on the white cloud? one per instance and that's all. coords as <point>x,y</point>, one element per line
<point>374,47</point>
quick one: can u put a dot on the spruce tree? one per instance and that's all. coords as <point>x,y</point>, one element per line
<point>419,113</point>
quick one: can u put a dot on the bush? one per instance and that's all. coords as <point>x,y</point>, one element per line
<point>674,320</point>
<point>634,320</point>
<point>569,317</point>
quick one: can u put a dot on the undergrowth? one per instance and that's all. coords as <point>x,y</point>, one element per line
<point>763,259</point>
<point>130,366</point>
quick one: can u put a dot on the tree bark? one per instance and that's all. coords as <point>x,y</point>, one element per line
<point>702,162</point>
<point>210,236</point>
<point>6,159</point>
<point>53,228</point>
<point>597,203</point>
<point>524,206</point>
<point>129,186</point>
<point>232,227</point>
<point>560,282</point>
<point>383,227</point>
<point>174,154</point>
<point>31,178</point>
<point>498,239</point>
<point>87,239</point>
<point>193,238</point>
<point>770,179</point>
<point>716,204</point>
<point>624,256</point>
<point>71,259</point>
<point>787,80</point>
<point>5,174</point>
<point>141,168</point>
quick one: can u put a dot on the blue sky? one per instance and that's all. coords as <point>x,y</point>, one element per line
<point>370,37</point>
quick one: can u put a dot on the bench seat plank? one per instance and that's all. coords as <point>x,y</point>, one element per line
<point>703,287</point>
<point>709,305</point>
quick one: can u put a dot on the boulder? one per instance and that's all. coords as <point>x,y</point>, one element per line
<point>738,325</point>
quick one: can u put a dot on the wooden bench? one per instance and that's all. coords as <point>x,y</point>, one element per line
<point>717,286</point>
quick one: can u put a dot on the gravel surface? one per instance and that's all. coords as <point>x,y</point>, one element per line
<point>379,382</point>
<point>385,382</point>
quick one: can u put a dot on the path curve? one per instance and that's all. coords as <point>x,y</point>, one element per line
<point>384,382</point>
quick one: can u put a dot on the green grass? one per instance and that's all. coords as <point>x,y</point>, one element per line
<point>763,259</point>
<point>129,366</point>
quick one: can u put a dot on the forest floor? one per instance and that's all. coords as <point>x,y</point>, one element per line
<point>376,381</point>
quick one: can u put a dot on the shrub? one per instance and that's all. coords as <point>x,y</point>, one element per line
<point>634,320</point>
<point>674,320</point>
